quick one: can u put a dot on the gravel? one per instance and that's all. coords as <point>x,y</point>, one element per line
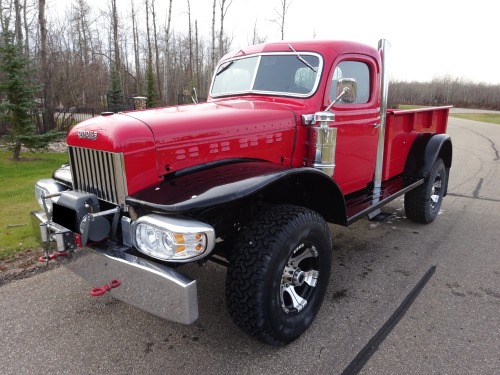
<point>52,147</point>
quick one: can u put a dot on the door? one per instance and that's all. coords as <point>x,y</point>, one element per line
<point>357,122</point>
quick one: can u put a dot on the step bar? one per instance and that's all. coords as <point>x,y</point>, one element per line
<point>359,205</point>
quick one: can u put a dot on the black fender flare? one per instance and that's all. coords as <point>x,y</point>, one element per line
<point>217,185</point>
<point>426,148</point>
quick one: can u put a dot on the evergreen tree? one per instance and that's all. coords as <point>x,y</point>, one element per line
<point>150,86</point>
<point>115,95</point>
<point>18,104</point>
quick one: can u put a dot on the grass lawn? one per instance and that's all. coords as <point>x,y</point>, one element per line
<point>17,181</point>
<point>493,118</point>
<point>408,106</point>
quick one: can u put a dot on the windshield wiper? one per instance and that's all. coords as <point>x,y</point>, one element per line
<point>302,59</point>
<point>224,67</point>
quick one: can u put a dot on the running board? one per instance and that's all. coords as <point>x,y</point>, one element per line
<point>359,205</point>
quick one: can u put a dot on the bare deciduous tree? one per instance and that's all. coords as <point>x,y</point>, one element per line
<point>150,81</point>
<point>157,53</point>
<point>135,38</point>
<point>48,122</point>
<point>4,15</point>
<point>26,25</point>
<point>166,54</point>
<point>77,52</point>
<point>445,90</point>
<point>280,21</point>
<point>190,43</point>
<point>18,29</point>
<point>224,7</point>
<point>114,25</point>
<point>256,38</point>
<point>212,60</point>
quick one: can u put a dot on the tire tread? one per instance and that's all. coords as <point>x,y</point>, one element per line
<point>250,263</point>
<point>416,202</point>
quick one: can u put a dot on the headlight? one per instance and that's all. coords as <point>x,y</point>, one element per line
<point>45,187</point>
<point>173,239</point>
<point>63,174</point>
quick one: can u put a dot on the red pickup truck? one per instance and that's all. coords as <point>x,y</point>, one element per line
<point>293,136</point>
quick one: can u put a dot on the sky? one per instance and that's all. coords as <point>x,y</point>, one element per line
<point>429,38</point>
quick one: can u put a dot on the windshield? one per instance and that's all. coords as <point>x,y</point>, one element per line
<point>288,74</point>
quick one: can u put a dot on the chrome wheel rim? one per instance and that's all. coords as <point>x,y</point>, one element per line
<point>299,279</point>
<point>436,191</point>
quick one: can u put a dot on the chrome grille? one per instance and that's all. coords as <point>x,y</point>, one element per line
<point>99,172</point>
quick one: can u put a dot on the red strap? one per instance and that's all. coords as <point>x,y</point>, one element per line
<point>115,283</point>
<point>53,256</point>
<point>100,290</point>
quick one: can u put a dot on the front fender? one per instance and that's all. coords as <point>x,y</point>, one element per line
<point>220,184</point>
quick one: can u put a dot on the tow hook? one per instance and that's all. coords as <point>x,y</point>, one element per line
<point>48,257</point>
<point>100,290</point>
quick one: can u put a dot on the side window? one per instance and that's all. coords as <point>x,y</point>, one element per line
<point>353,69</point>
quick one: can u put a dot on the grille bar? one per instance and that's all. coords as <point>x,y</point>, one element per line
<point>99,172</point>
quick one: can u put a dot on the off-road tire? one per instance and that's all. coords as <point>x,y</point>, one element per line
<point>278,273</point>
<point>423,203</point>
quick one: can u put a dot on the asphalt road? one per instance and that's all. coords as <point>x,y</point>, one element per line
<point>51,325</point>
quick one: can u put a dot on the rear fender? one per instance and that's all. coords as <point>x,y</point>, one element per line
<point>425,150</point>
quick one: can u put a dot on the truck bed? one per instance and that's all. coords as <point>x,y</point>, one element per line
<point>402,127</point>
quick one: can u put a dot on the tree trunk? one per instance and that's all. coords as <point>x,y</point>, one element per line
<point>150,53</point>
<point>157,54</point>
<point>284,10</point>
<point>136,50</point>
<point>212,61</point>
<point>150,84</point>
<point>196,56</point>
<point>167,53</point>
<point>221,31</point>
<point>26,29</point>
<point>2,21</point>
<point>282,16</point>
<point>48,122</point>
<point>223,11</point>
<point>18,27</point>
<point>16,151</point>
<point>82,21</point>
<point>190,36</point>
<point>283,3</point>
<point>114,17</point>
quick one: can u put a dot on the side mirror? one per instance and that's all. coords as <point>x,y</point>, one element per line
<point>350,94</point>
<point>346,92</point>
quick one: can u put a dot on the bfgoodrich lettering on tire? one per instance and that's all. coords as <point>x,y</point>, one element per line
<point>278,274</point>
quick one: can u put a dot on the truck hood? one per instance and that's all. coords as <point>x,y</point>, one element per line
<point>185,136</point>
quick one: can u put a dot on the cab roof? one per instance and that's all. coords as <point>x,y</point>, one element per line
<point>323,47</point>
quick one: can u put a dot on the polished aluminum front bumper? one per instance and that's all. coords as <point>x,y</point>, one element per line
<point>147,285</point>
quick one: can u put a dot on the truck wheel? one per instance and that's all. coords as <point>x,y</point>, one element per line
<point>278,274</point>
<point>423,203</point>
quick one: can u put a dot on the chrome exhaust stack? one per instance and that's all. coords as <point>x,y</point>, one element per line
<point>384,49</point>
